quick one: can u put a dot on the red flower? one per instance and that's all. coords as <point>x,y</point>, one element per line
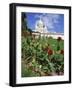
<point>50,52</point>
<point>62,52</point>
<point>59,39</point>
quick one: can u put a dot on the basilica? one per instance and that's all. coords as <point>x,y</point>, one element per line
<point>40,26</point>
<point>41,29</point>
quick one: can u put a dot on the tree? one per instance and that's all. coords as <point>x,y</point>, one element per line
<point>24,22</point>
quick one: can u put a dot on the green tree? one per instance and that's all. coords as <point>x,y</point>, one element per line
<point>24,22</point>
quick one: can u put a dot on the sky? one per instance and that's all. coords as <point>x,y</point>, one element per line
<point>53,22</point>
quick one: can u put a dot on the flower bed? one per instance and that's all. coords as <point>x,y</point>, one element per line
<point>42,56</point>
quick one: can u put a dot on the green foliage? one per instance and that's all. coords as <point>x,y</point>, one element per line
<point>29,73</point>
<point>33,51</point>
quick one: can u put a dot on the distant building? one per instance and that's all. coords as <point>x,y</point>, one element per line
<point>40,26</point>
<point>41,29</point>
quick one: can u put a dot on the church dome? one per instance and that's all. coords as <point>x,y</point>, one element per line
<point>40,26</point>
<point>40,23</point>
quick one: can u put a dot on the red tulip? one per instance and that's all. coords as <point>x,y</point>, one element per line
<point>50,52</point>
<point>62,52</point>
<point>59,39</point>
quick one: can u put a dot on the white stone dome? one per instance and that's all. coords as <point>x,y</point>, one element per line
<point>40,23</point>
<point>40,26</point>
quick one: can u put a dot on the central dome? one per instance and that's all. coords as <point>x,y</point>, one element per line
<point>40,24</point>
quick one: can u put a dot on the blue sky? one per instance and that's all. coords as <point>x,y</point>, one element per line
<point>54,22</point>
